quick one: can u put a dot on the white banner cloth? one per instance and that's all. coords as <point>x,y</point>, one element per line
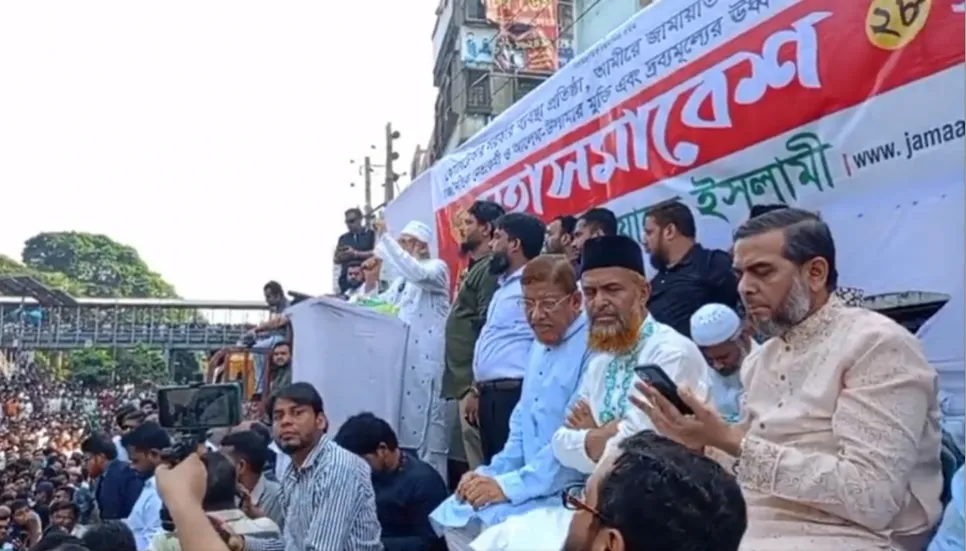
<point>352,355</point>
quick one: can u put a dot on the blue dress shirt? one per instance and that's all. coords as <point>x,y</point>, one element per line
<point>526,470</point>
<point>505,339</point>
<point>949,537</point>
<point>145,518</point>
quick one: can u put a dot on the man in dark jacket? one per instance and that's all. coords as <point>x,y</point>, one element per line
<point>407,489</point>
<point>116,485</point>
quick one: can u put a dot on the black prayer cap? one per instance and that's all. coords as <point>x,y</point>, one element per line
<point>612,251</point>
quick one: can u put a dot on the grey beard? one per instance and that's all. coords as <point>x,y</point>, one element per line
<point>793,311</point>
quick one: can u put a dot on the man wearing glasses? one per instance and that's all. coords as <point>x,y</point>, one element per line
<point>525,476</point>
<point>355,244</point>
<point>625,502</point>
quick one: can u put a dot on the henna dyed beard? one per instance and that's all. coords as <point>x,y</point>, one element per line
<point>616,338</point>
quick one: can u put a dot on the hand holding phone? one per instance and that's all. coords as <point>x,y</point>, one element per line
<point>657,378</point>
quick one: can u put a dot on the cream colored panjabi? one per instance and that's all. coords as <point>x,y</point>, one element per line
<point>842,451</point>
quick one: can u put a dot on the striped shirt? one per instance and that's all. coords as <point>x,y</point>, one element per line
<point>329,505</point>
<point>267,496</point>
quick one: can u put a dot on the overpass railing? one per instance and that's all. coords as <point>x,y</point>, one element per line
<point>168,335</point>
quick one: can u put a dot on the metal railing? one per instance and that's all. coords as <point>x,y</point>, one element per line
<point>65,335</point>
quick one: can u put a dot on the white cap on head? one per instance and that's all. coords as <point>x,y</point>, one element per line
<point>420,231</point>
<point>714,324</point>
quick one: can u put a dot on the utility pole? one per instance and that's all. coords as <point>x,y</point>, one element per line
<point>391,176</point>
<point>367,168</point>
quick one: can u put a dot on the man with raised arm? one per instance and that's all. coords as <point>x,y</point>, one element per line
<point>421,293</point>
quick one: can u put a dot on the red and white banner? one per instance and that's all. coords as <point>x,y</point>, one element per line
<point>853,108</point>
<point>724,104</point>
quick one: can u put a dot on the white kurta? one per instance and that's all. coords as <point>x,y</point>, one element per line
<point>422,294</point>
<point>606,386</point>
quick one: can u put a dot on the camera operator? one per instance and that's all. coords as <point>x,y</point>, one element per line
<point>219,504</point>
<point>183,490</point>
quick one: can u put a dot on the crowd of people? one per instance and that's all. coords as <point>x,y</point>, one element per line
<point>556,346</point>
<point>561,399</point>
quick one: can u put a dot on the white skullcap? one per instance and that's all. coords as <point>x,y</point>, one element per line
<point>418,230</point>
<point>714,324</point>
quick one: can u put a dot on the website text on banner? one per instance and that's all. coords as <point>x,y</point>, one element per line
<point>725,105</point>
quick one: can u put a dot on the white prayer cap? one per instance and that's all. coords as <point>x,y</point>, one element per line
<point>714,324</point>
<point>418,230</point>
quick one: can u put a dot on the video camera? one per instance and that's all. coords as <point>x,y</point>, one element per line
<point>188,412</point>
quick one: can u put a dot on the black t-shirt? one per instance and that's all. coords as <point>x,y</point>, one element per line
<point>703,276</point>
<point>364,240</point>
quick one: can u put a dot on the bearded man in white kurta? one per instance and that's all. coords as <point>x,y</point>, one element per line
<point>421,292</point>
<point>623,335</point>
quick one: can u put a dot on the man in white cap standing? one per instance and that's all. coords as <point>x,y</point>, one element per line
<point>725,342</point>
<point>421,292</point>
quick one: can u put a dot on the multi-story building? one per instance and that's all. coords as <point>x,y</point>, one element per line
<point>419,163</point>
<point>477,74</point>
<point>596,18</point>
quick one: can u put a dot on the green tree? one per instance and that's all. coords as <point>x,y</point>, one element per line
<point>185,366</point>
<point>93,265</point>
<point>9,266</point>
<point>92,366</point>
<point>101,266</point>
<point>139,364</point>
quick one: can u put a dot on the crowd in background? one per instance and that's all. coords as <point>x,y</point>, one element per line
<point>531,408</point>
<point>561,398</point>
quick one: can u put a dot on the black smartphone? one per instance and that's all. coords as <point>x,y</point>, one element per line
<point>197,407</point>
<point>653,374</point>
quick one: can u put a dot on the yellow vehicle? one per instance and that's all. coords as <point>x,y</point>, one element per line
<point>234,364</point>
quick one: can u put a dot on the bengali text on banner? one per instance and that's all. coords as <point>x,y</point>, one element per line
<point>680,96</point>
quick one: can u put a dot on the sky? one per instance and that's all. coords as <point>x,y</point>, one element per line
<point>213,136</point>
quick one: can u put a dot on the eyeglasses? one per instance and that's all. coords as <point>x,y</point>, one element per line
<point>351,220</point>
<point>573,499</point>
<point>544,305</point>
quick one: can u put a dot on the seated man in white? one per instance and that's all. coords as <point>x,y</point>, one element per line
<point>526,475</point>
<point>623,335</point>
<point>725,342</point>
